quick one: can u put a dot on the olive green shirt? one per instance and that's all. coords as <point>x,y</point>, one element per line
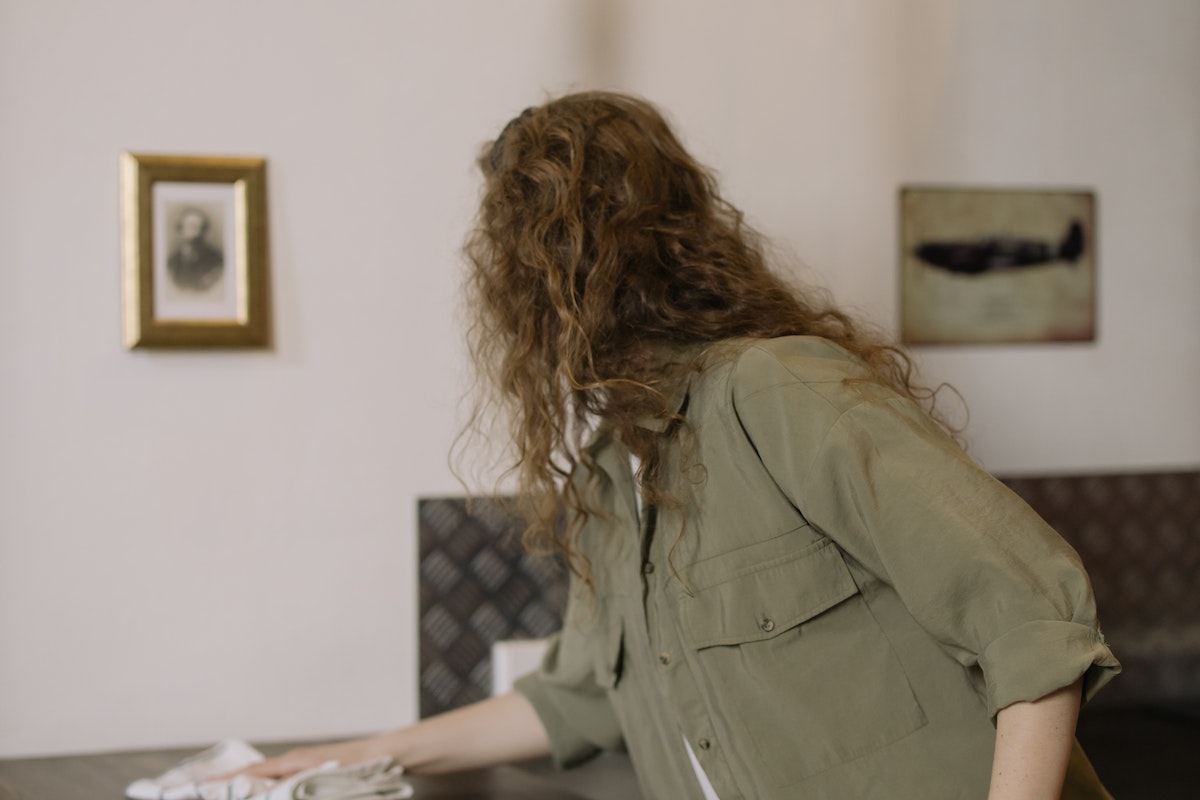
<point>850,604</point>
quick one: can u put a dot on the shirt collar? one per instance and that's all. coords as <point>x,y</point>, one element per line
<point>676,405</point>
<point>679,363</point>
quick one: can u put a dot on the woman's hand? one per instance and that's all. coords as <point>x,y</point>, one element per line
<point>493,731</point>
<point>354,751</point>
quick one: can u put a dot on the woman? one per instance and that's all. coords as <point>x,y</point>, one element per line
<point>787,578</point>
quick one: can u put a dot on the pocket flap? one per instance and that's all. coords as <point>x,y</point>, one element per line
<point>768,599</point>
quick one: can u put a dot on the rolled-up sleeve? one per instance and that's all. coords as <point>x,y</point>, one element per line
<point>574,709</point>
<point>975,566</point>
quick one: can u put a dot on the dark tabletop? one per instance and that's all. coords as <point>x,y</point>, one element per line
<point>105,776</point>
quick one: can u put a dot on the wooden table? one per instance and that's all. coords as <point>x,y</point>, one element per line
<point>105,776</point>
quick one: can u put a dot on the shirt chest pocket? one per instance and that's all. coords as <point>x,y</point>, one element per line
<point>794,659</point>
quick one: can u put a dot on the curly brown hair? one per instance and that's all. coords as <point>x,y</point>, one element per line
<point>602,250</point>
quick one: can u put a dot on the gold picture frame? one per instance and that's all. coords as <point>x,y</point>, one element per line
<point>194,251</point>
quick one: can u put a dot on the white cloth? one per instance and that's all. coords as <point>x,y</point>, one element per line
<point>191,779</point>
<point>178,782</point>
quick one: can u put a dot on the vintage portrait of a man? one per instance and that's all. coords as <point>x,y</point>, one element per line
<point>196,261</point>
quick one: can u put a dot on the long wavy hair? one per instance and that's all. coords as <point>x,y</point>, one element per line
<point>602,250</point>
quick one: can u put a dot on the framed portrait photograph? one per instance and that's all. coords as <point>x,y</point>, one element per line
<point>991,266</point>
<point>194,251</point>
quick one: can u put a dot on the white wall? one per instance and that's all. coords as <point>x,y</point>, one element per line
<point>817,111</point>
<point>198,545</point>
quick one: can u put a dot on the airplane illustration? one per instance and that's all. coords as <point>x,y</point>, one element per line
<point>990,253</point>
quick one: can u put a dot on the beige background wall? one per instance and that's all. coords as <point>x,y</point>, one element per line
<point>199,545</point>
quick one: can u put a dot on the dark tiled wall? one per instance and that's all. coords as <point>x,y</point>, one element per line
<point>1138,535</point>
<point>477,586</point>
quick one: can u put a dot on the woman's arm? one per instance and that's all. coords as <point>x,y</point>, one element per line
<point>1033,744</point>
<point>493,731</point>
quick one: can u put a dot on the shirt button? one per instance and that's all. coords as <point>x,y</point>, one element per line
<point>647,568</point>
<point>767,625</point>
<point>704,744</point>
<point>664,658</point>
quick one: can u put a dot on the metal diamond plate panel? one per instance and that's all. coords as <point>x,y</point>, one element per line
<point>1139,537</point>
<point>477,586</point>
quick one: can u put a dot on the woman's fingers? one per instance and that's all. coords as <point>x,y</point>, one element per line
<point>289,763</point>
<point>282,766</point>
<point>302,758</point>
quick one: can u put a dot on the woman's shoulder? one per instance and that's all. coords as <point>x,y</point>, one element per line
<point>807,374</point>
<point>807,360</point>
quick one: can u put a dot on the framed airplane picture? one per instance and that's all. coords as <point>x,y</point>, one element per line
<point>990,266</point>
